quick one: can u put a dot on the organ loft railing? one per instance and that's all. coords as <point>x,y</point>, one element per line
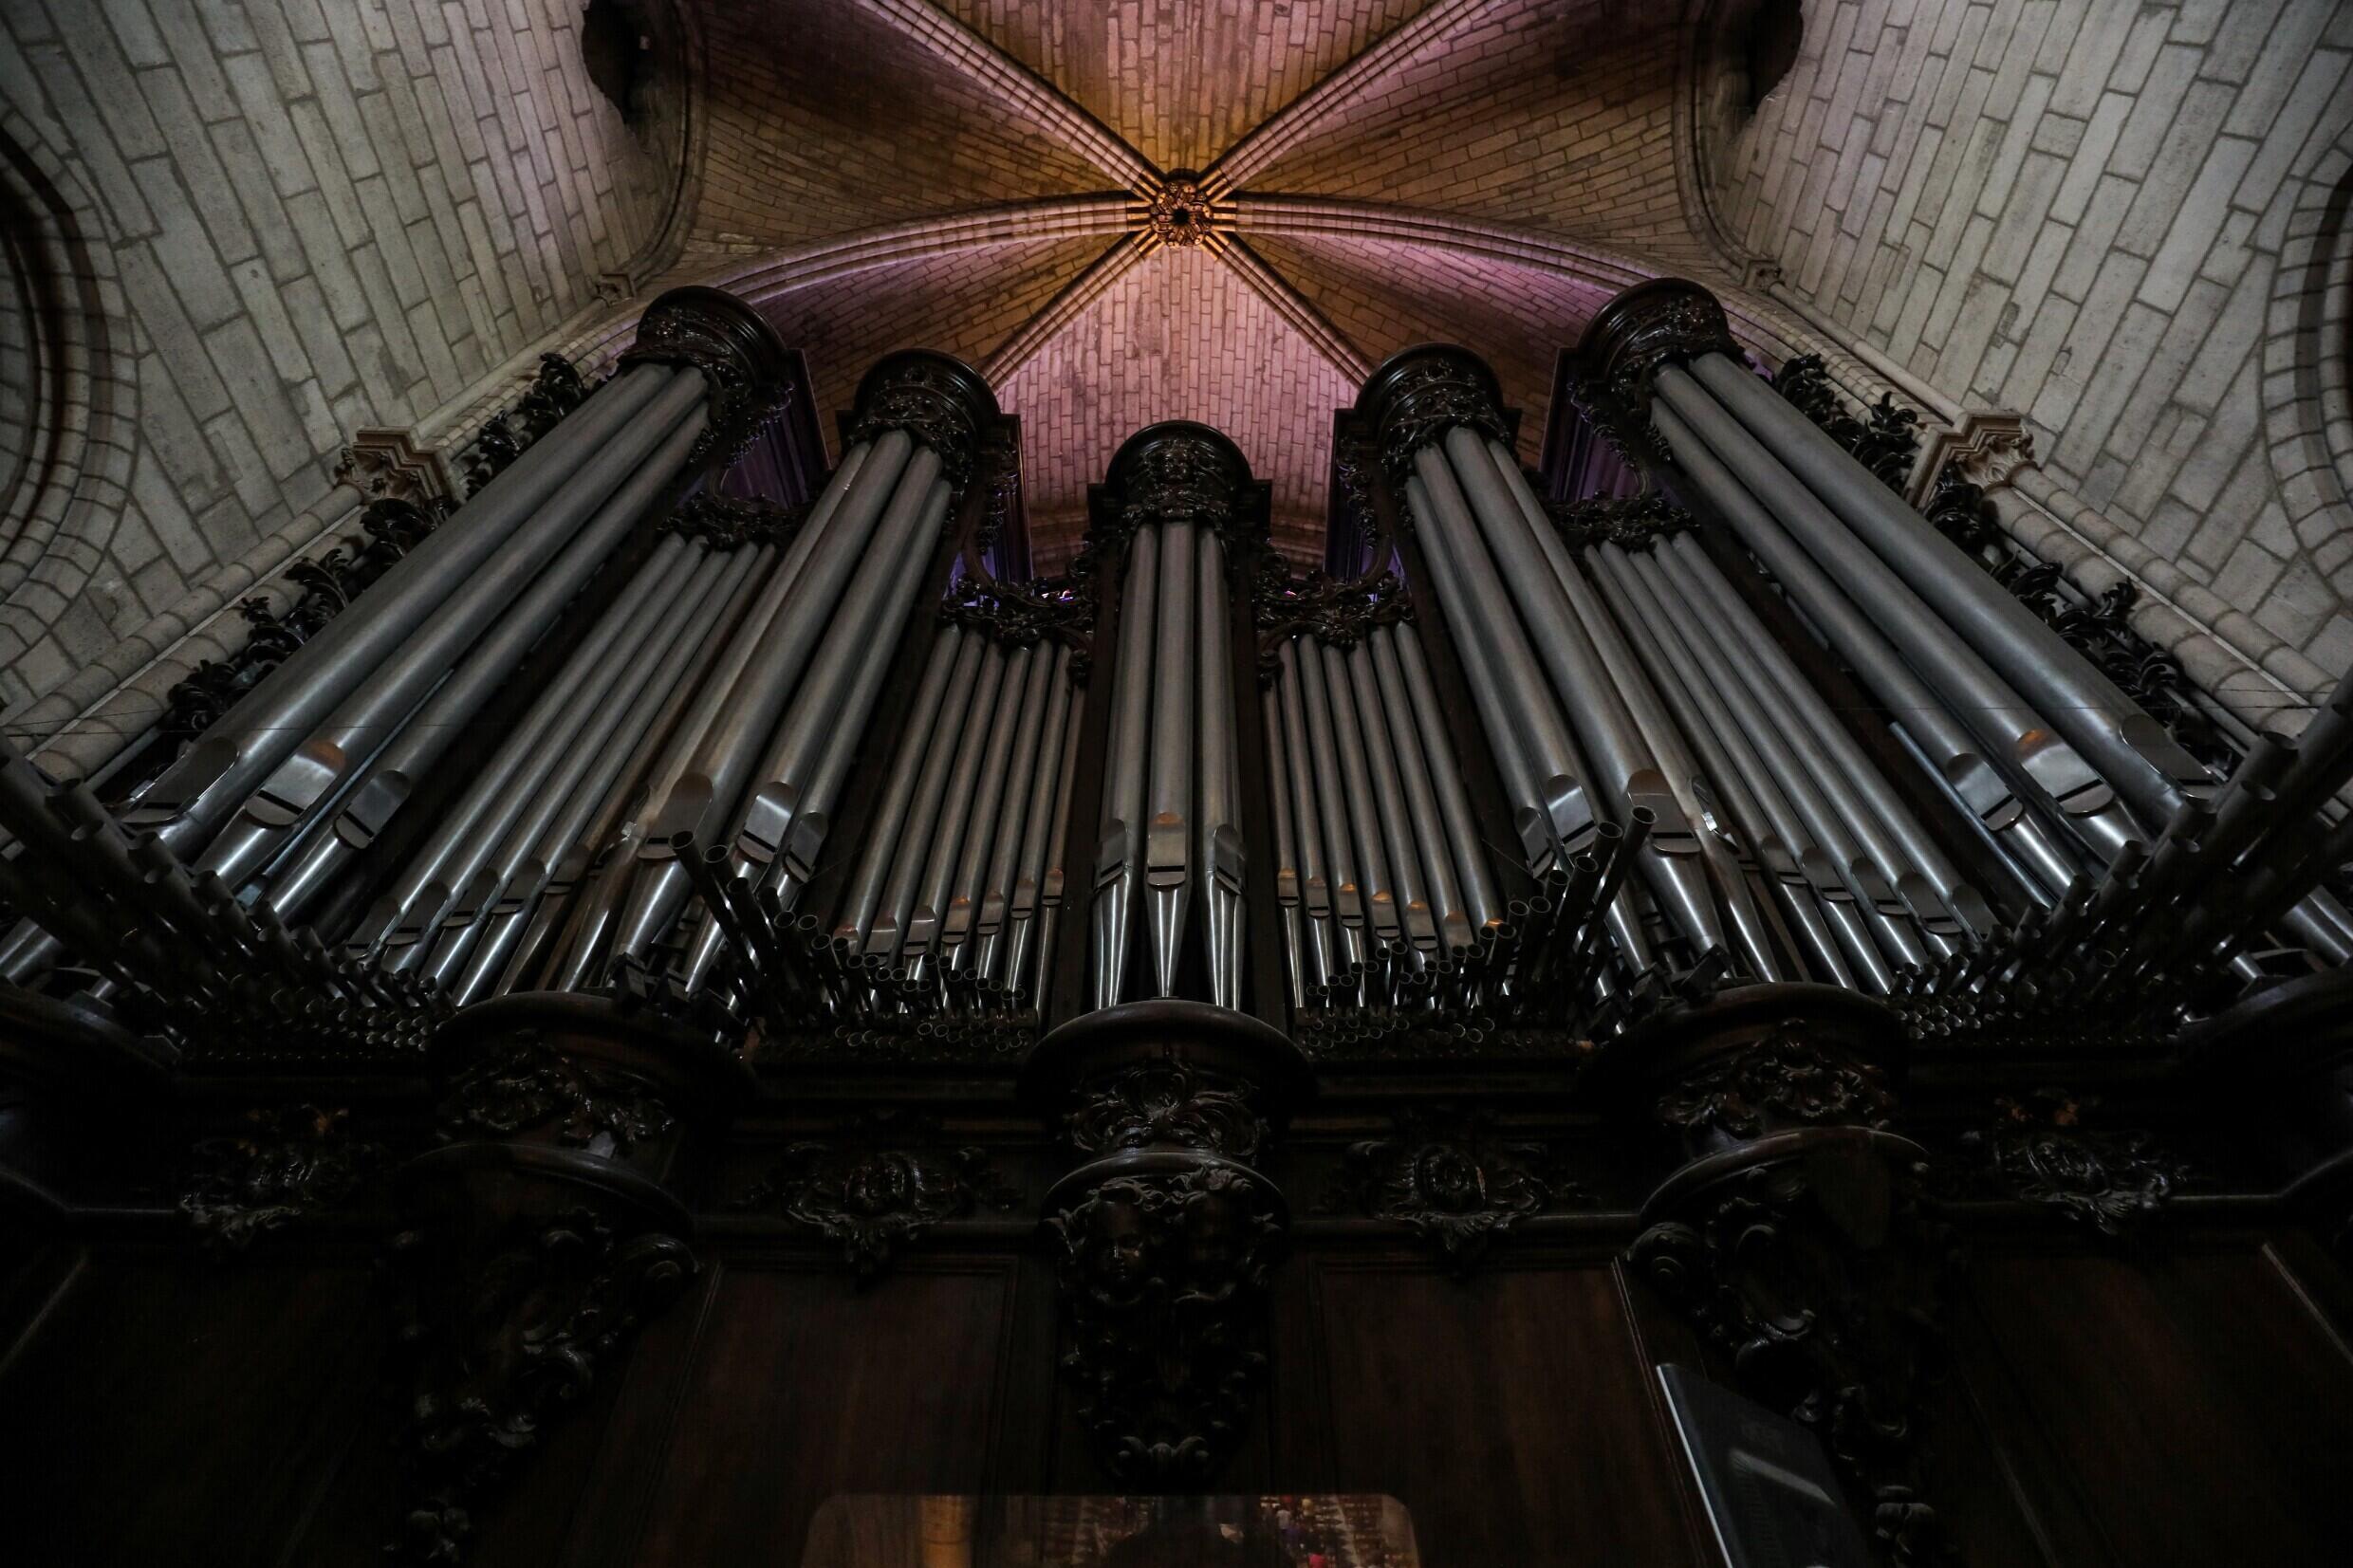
<point>616,805</point>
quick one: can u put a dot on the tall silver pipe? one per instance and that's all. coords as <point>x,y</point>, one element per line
<point>1050,874</point>
<point>2086,802</point>
<point>1287,879</point>
<point>470,953</point>
<point>1805,779</point>
<point>1370,858</point>
<point>1482,902</point>
<point>1003,675</point>
<point>1038,826</point>
<point>1621,767</point>
<point>1315,885</point>
<point>1017,714</point>
<point>1401,845</point>
<point>886,932</point>
<point>1751,929</point>
<point>1120,855</point>
<point>441,869</point>
<point>1940,886</point>
<point>953,650</point>
<point>1168,832</point>
<point>616,484</point>
<point>198,792</point>
<point>1030,797</point>
<point>1220,855</point>
<point>1333,816</point>
<point>1987,709</point>
<point>1548,778</point>
<point>705,799</point>
<point>1451,924</point>
<point>2131,749</point>
<point>1771,833</point>
<point>574,953</point>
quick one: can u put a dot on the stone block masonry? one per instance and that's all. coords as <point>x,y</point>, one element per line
<point>2086,211</point>
<point>316,215</point>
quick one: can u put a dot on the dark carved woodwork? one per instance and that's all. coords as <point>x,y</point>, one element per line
<point>555,391</point>
<point>2039,1151</point>
<point>1886,439</point>
<point>1797,1237</point>
<point>1634,522</point>
<point>878,1183</point>
<point>1165,1237</point>
<point>2098,626</point>
<point>546,1231</point>
<point>1454,1180</point>
<point>940,402</point>
<point>727,522</point>
<point>284,1164</point>
<point>1419,393</point>
<point>1661,322</point>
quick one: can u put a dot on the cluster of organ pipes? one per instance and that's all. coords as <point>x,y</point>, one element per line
<point>1543,769</point>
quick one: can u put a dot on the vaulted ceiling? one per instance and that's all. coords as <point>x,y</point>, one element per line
<point>982,177</point>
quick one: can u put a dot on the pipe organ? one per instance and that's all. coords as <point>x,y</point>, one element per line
<point>1702,802</point>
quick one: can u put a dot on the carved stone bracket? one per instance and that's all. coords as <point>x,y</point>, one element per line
<point>879,1183</point>
<point>393,464</point>
<point>286,1164</point>
<point>2039,1150</point>
<point>1454,1180</point>
<point>1419,393</point>
<point>940,402</point>
<point>1986,448</point>
<point>1165,1237</point>
<point>548,1229</point>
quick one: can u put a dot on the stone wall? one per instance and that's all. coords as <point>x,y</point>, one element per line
<point>312,215</point>
<point>2104,215</point>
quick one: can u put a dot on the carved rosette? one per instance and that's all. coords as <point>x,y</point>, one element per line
<point>877,1185</point>
<point>1419,393</point>
<point>546,1229</point>
<point>1165,1237</point>
<point>1663,321</point>
<point>1179,211</point>
<point>1452,1179</point>
<point>939,402</point>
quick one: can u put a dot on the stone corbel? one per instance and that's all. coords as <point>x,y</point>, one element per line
<point>394,464</point>
<point>1988,448</point>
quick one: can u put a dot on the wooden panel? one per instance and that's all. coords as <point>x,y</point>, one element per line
<point>175,1409</point>
<point>1509,1411</point>
<point>2200,1410</point>
<point>802,1385</point>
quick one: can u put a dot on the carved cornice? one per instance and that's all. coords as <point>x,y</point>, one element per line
<point>287,1163</point>
<point>529,1086</point>
<point>1452,1180</point>
<point>1652,324</point>
<point>1166,1104</point>
<point>1418,394</point>
<point>939,402</point>
<point>1782,1079</point>
<point>1634,523</point>
<point>714,331</point>
<point>727,521</point>
<point>2038,1151</point>
<point>878,1183</point>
